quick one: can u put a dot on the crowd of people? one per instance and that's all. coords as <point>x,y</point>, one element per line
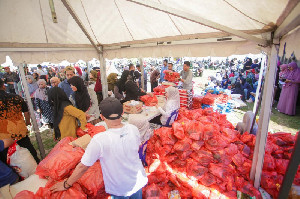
<point>68,99</point>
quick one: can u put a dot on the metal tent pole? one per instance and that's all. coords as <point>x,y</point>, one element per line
<point>31,111</point>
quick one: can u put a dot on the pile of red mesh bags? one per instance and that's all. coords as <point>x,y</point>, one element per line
<point>279,148</point>
<point>149,100</point>
<point>171,76</point>
<point>59,165</point>
<point>202,156</point>
<point>212,99</point>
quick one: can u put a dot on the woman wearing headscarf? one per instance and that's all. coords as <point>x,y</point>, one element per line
<point>65,114</point>
<point>32,85</point>
<point>132,90</point>
<point>85,99</point>
<point>120,85</point>
<point>93,79</point>
<point>172,104</point>
<point>238,89</point>
<point>82,97</point>
<point>288,96</point>
<point>42,103</point>
<point>111,81</point>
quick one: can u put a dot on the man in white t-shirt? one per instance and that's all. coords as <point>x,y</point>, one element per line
<point>40,71</point>
<point>117,149</point>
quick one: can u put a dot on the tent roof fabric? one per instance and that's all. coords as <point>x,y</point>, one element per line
<point>117,22</point>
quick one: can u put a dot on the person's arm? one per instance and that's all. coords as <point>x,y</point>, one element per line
<point>118,95</point>
<point>79,114</point>
<point>7,142</point>
<point>77,174</point>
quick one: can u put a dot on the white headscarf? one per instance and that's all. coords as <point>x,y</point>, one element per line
<point>143,125</point>
<point>173,94</point>
<point>41,93</point>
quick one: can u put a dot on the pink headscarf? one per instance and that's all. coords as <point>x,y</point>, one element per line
<point>293,75</point>
<point>283,70</point>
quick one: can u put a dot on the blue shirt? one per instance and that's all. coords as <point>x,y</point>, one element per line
<point>145,81</point>
<point>67,88</point>
<point>7,175</point>
<point>162,74</point>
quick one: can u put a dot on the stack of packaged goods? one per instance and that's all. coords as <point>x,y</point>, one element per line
<point>160,90</point>
<point>186,98</point>
<point>203,156</point>
<point>197,102</point>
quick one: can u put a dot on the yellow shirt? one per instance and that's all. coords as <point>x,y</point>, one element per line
<point>68,124</point>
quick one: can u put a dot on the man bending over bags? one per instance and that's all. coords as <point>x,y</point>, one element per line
<point>117,149</point>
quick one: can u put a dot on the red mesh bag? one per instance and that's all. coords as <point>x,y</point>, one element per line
<point>171,76</point>
<point>208,179</point>
<point>195,169</point>
<point>281,165</point>
<point>149,100</point>
<point>25,195</point>
<point>92,180</point>
<point>269,163</point>
<point>178,130</point>
<point>154,192</point>
<point>60,161</point>
<point>92,130</point>
<point>166,135</point>
<point>75,192</point>
<point>183,145</point>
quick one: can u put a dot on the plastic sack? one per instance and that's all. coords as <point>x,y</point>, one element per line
<point>75,192</point>
<point>92,180</point>
<point>21,160</point>
<point>149,100</point>
<point>166,135</point>
<point>208,179</point>
<point>25,195</point>
<point>60,161</point>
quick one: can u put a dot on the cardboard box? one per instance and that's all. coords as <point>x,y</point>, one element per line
<point>132,109</point>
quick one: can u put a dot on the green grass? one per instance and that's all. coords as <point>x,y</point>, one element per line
<point>48,142</point>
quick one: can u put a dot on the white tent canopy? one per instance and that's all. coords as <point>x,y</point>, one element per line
<point>29,34</point>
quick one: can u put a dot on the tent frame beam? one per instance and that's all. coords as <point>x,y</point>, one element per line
<point>79,23</point>
<point>199,20</point>
<point>209,35</point>
<point>289,23</point>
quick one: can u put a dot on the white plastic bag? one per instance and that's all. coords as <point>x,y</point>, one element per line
<point>21,160</point>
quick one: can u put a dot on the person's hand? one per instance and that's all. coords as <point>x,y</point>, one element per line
<point>142,90</point>
<point>150,94</point>
<point>88,116</point>
<point>156,106</point>
<point>58,187</point>
<point>182,80</point>
<point>287,81</point>
<point>110,93</point>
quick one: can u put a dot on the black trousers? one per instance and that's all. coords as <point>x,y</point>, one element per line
<point>153,85</point>
<point>25,143</point>
<point>156,120</point>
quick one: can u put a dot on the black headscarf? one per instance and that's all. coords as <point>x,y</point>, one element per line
<point>121,82</point>
<point>82,97</point>
<point>59,100</point>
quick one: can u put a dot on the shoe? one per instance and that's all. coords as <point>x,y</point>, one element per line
<point>249,100</point>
